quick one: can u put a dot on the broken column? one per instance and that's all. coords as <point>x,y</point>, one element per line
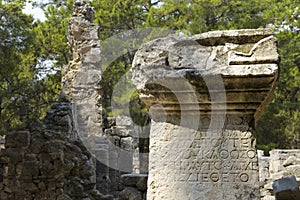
<point>204,94</point>
<point>82,81</point>
<point>81,86</point>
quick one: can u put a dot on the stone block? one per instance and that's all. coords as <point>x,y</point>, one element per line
<point>122,131</point>
<point>92,56</point>
<point>94,76</point>
<point>31,187</point>
<point>53,146</point>
<point>126,144</point>
<point>4,195</point>
<point>123,120</point>
<point>263,168</point>
<point>175,78</point>
<point>286,189</point>
<point>63,121</point>
<point>42,186</point>
<point>294,170</point>
<point>37,145</point>
<point>135,180</point>
<point>63,197</point>
<point>30,157</point>
<point>20,193</point>
<point>291,160</point>
<point>279,175</point>
<point>26,179</point>
<point>18,139</point>
<point>130,193</point>
<point>10,170</point>
<point>280,156</point>
<point>16,155</point>
<point>3,159</point>
<point>269,198</point>
<point>268,186</point>
<point>46,168</point>
<point>30,168</point>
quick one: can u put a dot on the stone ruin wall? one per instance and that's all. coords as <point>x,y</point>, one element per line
<point>280,164</point>
<point>48,162</point>
<point>56,158</point>
<point>81,81</point>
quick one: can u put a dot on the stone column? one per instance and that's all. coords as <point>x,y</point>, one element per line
<point>204,94</point>
<point>81,87</point>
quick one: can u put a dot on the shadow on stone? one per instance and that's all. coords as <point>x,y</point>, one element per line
<point>286,188</point>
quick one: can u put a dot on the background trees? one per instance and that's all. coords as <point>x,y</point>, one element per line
<point>25,46</point>
<point>280,125</point>
<point>26,90</point>
<point>16,66</point>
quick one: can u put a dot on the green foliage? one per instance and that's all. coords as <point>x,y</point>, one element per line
<point>15,63</point>
<point>51,35</point>
<point>117,16</point>
<point>24,95</point>
<point>196,16</point>
<point>280,124</point>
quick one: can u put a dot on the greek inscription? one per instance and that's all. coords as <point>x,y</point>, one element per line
<point>214,177</point>
<point>251,153</point>
<point>244,177</point>
<point>231,142</point>
<point>228,156</point>
<point>222,154</point>
<point>198,165</point>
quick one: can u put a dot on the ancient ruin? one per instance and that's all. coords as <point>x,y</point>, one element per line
<point>280,164</point>
<point>204,95</point>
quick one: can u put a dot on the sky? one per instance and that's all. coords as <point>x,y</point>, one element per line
<point>36,12</point>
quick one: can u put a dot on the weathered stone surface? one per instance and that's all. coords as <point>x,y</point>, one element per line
<point>226,168</point>
<point>282,164</point>
<point>126,144</point>
<point>170,60</point>
<point>263,163</point>
<point>124,121</point>
<point>2,142</point>
<point>283,161</point>
<point>204,94</point>
<point>49,161</point>
<point>17,140</point>
<point>135,180</point>
<point>286,188</point>
<point>130,193</point>
<point>268,198</point>
<point>292,160</point>
<point>107,138</point>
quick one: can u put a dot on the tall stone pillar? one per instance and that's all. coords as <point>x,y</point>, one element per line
<point>81,86</point>
<point>204,94</point>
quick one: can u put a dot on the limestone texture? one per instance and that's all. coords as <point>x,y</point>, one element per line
<point>204,94</point>
<point>48,162</point>
<point>281,164</point>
